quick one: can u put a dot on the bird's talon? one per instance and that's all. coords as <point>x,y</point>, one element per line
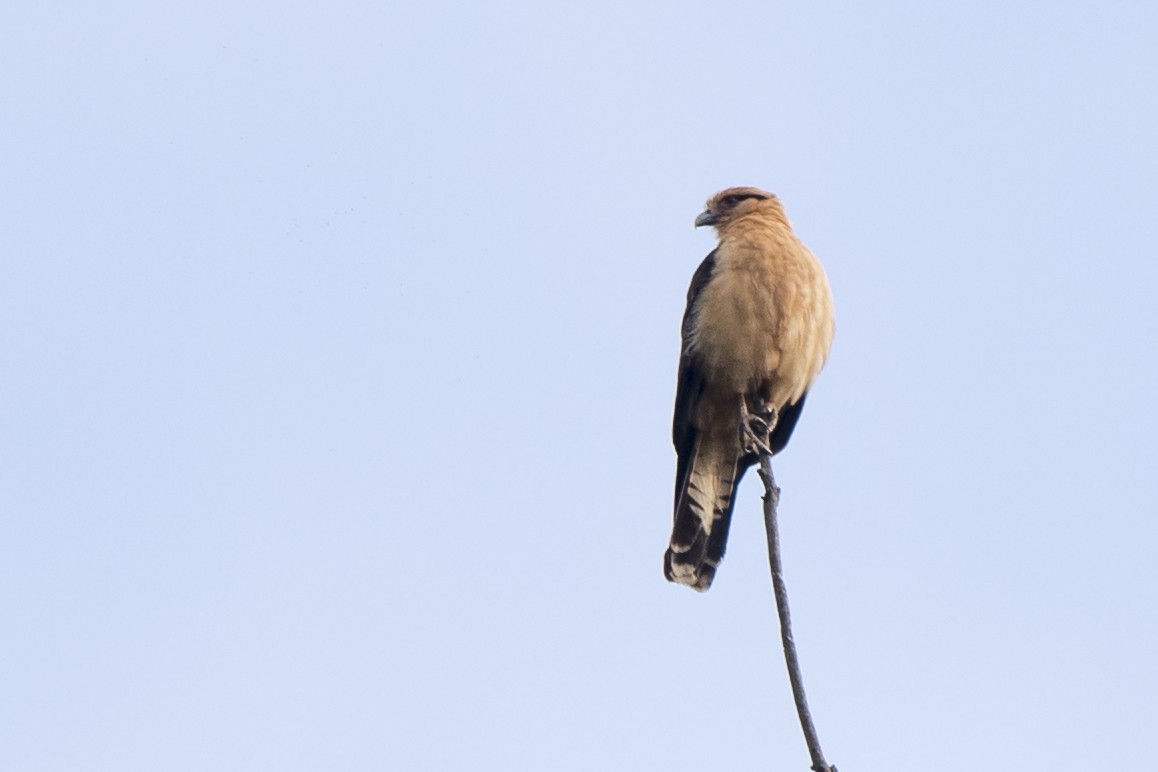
<point>756,427</point>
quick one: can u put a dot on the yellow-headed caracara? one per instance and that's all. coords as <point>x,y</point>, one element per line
<point>757,329</point>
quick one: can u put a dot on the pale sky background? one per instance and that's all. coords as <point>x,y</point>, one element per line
<point>338,346</point>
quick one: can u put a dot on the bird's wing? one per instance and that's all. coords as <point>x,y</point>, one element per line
<point>785,423</point>
<point>690,381</point>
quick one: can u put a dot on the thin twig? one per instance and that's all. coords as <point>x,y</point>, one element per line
<point>771,501</point>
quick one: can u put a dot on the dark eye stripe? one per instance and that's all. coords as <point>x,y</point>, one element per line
<point>733,200</point>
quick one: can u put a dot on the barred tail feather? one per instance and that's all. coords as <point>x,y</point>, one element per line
<point>703,514</point>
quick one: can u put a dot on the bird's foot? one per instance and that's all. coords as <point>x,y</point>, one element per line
<point>756,426</point>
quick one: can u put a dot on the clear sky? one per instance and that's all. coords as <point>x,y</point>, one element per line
<point>338,346</point>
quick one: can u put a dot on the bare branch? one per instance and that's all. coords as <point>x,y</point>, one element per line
<point>771,501</point>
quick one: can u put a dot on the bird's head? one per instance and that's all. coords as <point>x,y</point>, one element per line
<point>733,203</point>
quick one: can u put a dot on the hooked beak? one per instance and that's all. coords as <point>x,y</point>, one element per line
<point>705,218</point>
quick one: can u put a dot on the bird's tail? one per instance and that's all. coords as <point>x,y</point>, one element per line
<point>703,514</point>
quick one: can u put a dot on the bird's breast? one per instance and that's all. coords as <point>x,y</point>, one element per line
<point>764,321</point>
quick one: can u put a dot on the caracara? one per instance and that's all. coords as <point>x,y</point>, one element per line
<point>756,332</point>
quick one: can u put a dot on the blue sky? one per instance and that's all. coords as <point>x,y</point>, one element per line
<point>337,357</point>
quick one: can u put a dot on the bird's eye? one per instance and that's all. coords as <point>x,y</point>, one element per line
<point>733,200</point>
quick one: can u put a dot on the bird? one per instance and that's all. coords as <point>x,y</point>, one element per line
<point>756,333</point>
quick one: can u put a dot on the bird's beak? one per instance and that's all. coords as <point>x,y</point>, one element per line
<point>705,218</point>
